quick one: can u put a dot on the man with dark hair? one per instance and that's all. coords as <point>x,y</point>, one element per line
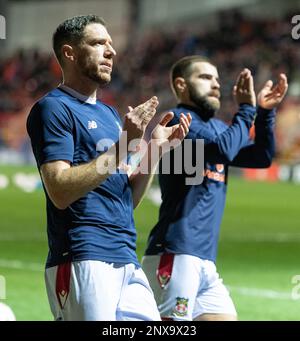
<point>92,271</point>
<point>180,257</point>
<point>72,31</point>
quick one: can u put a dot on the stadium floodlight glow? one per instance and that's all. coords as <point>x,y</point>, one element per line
<point>2,27</point>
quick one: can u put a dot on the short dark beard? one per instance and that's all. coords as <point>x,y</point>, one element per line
<point>92,74</point>
<point>203,105</point>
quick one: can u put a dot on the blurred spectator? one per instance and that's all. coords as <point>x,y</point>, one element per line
<point>264,46</point>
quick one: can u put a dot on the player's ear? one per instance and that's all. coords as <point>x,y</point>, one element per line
<point>180,84</point>
<point>67,52</point>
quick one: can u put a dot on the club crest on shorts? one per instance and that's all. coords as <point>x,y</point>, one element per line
<point>181,308</point>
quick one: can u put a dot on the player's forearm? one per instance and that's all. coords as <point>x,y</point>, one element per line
<point>141,181</point>
<point>67,184</point>
<point>264,122</point>
<point>259,154</point>
<point>140,185</point>
<point>228,144</point>
<point>264,131</point>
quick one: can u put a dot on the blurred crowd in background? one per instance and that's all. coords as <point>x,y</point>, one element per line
<point>141,70</point>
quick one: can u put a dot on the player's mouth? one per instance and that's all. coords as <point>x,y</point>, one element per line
<point>215,95</point>
<point>107,65</point>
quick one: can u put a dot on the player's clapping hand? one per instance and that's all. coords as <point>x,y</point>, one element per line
<point>136,121</point>
<point>165,137</point>
<point>243,91</point>
<point>270,96</point>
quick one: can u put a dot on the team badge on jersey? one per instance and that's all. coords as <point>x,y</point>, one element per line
<point>215,172</point>
<point>181,308</point>
<point>220,168</point>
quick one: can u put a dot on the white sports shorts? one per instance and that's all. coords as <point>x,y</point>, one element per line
<point>186,287</point>
<point>98,291</point>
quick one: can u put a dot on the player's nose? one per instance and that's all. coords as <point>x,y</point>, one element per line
<point>110,50</point>
<point>216,84</point>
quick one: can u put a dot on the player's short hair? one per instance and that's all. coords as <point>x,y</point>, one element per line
<point>71,32</point>
<point>182,68</point>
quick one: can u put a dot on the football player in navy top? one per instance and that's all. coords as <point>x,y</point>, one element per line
<point>80,145</point>
<point>180,257</point>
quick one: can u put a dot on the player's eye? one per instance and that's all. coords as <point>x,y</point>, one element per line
<point>99,42</point>
<point>203,76</point>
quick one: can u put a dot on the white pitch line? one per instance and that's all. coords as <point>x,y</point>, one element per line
<point>263,237</point>
<point>22,238</point>
<point>264,293</point>
<point>256,238</point>
<point>250,292</point>
<point>19,265</point>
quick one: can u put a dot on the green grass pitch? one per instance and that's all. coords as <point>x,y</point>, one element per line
<point>258,255</point>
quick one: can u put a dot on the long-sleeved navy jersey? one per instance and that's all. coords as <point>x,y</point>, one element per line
<point>190,216</point>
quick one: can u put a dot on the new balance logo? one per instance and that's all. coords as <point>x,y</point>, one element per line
<point>92,125</point>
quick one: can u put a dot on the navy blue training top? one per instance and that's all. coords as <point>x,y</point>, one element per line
<point>190,216</point>
<point>98,226</point>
